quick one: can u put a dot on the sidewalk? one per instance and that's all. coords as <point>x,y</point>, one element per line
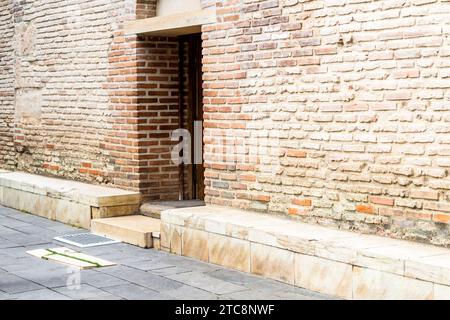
<point>139,274</point>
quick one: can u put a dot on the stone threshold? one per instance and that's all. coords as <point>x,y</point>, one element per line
<point>70,202</point>
<point>345,264</point>
<point>153,209</point>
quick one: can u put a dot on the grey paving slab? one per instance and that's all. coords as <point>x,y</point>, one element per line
<point>83,291</point>
<point>207,283</point>
<point>135,292</point>
<point>142,278</point>
<point>190,293</point>
<point>5,296</point>
<point>100,280</point>
<point>251,295</point>
<point>139,274</point>
<point>43,294</point>
<point>49,278</point>
<point>147,265</point>
<point>169,271</point>
<point>10,283</point>
<point>233,276</point>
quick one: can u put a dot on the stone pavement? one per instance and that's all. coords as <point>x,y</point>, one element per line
<point>140,273</point>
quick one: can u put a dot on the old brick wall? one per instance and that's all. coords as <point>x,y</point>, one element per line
<point>6,83</point>
<point>61,107</point>
<point>143,90</point>
<point>352,101</point>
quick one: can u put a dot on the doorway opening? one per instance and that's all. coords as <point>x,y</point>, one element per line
<point>190,115</point>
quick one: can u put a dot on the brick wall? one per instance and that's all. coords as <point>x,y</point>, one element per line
<point>61,106</point>
<point>352,100</point>
<point>6,83</point>
<point>143,91</point>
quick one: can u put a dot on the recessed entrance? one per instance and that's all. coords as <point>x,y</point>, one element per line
<point>191,115</point>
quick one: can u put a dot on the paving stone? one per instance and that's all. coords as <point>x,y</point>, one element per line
<point>50,278</point>
<point>100,280</point>
<point>13,223</point>
<point>4,295</point>
<point>170,270</point>
<point>142,278</point>
<point>207,283</point>
<point>107,296</point>
<point>233,276</point>
<point>43,294</point>
<point>251,295</point>
<point>84,291</point>
<point>10,283</point>
<point>147,265</point>
<point>190,293</point>
<point>135,292</point>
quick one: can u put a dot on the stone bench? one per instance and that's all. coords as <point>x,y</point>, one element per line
<point>340,263</point>
<point>70,202</point>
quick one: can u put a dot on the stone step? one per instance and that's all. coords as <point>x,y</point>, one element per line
<point>154,208</point>
<point>67,201</point>
<point>136,230</point>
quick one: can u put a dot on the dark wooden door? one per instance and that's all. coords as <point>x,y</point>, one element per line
<point>195,115</point>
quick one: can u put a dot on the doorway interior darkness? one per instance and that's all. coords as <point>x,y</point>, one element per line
<point>190,110</point>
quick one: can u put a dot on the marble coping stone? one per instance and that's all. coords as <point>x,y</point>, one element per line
<point>403,258</point>
<point>83,193</point>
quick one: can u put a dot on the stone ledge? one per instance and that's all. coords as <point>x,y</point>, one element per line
<point>71,202</point>
<point>341,263</point>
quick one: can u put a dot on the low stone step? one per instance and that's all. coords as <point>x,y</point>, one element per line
<point>154,208</point>
<point>136,230</point>
<point>67,201</point>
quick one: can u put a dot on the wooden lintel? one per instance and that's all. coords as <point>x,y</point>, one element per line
<point>172,25</point>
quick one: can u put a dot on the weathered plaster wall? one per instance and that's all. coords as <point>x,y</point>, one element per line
<point>354,98</point>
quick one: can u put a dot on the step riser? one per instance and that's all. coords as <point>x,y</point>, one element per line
<point>136,230</point>
<point>143,240</point>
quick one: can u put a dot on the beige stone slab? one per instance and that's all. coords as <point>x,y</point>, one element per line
<point>441,292</point>
<point>39,253</point>
<point>165,235</point>
<point>83,257</point>
<point>195,244</point>
<point>68,212</point>
<point>63,255</point>
<point>154,208</point>
<point>72,262</point>
<point>115,211</point>
<point>346,250</point>
<point>136,230</point>
<point>373,284</point>
<point>176,239</point>
<point>392,258</point>
<point>322,275</point>
<point>84,193</point>
<point>297,237</point>
<point>435,269</point>
<point>229,252</point>
<point>272,263</point>
<point>175,216</point>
